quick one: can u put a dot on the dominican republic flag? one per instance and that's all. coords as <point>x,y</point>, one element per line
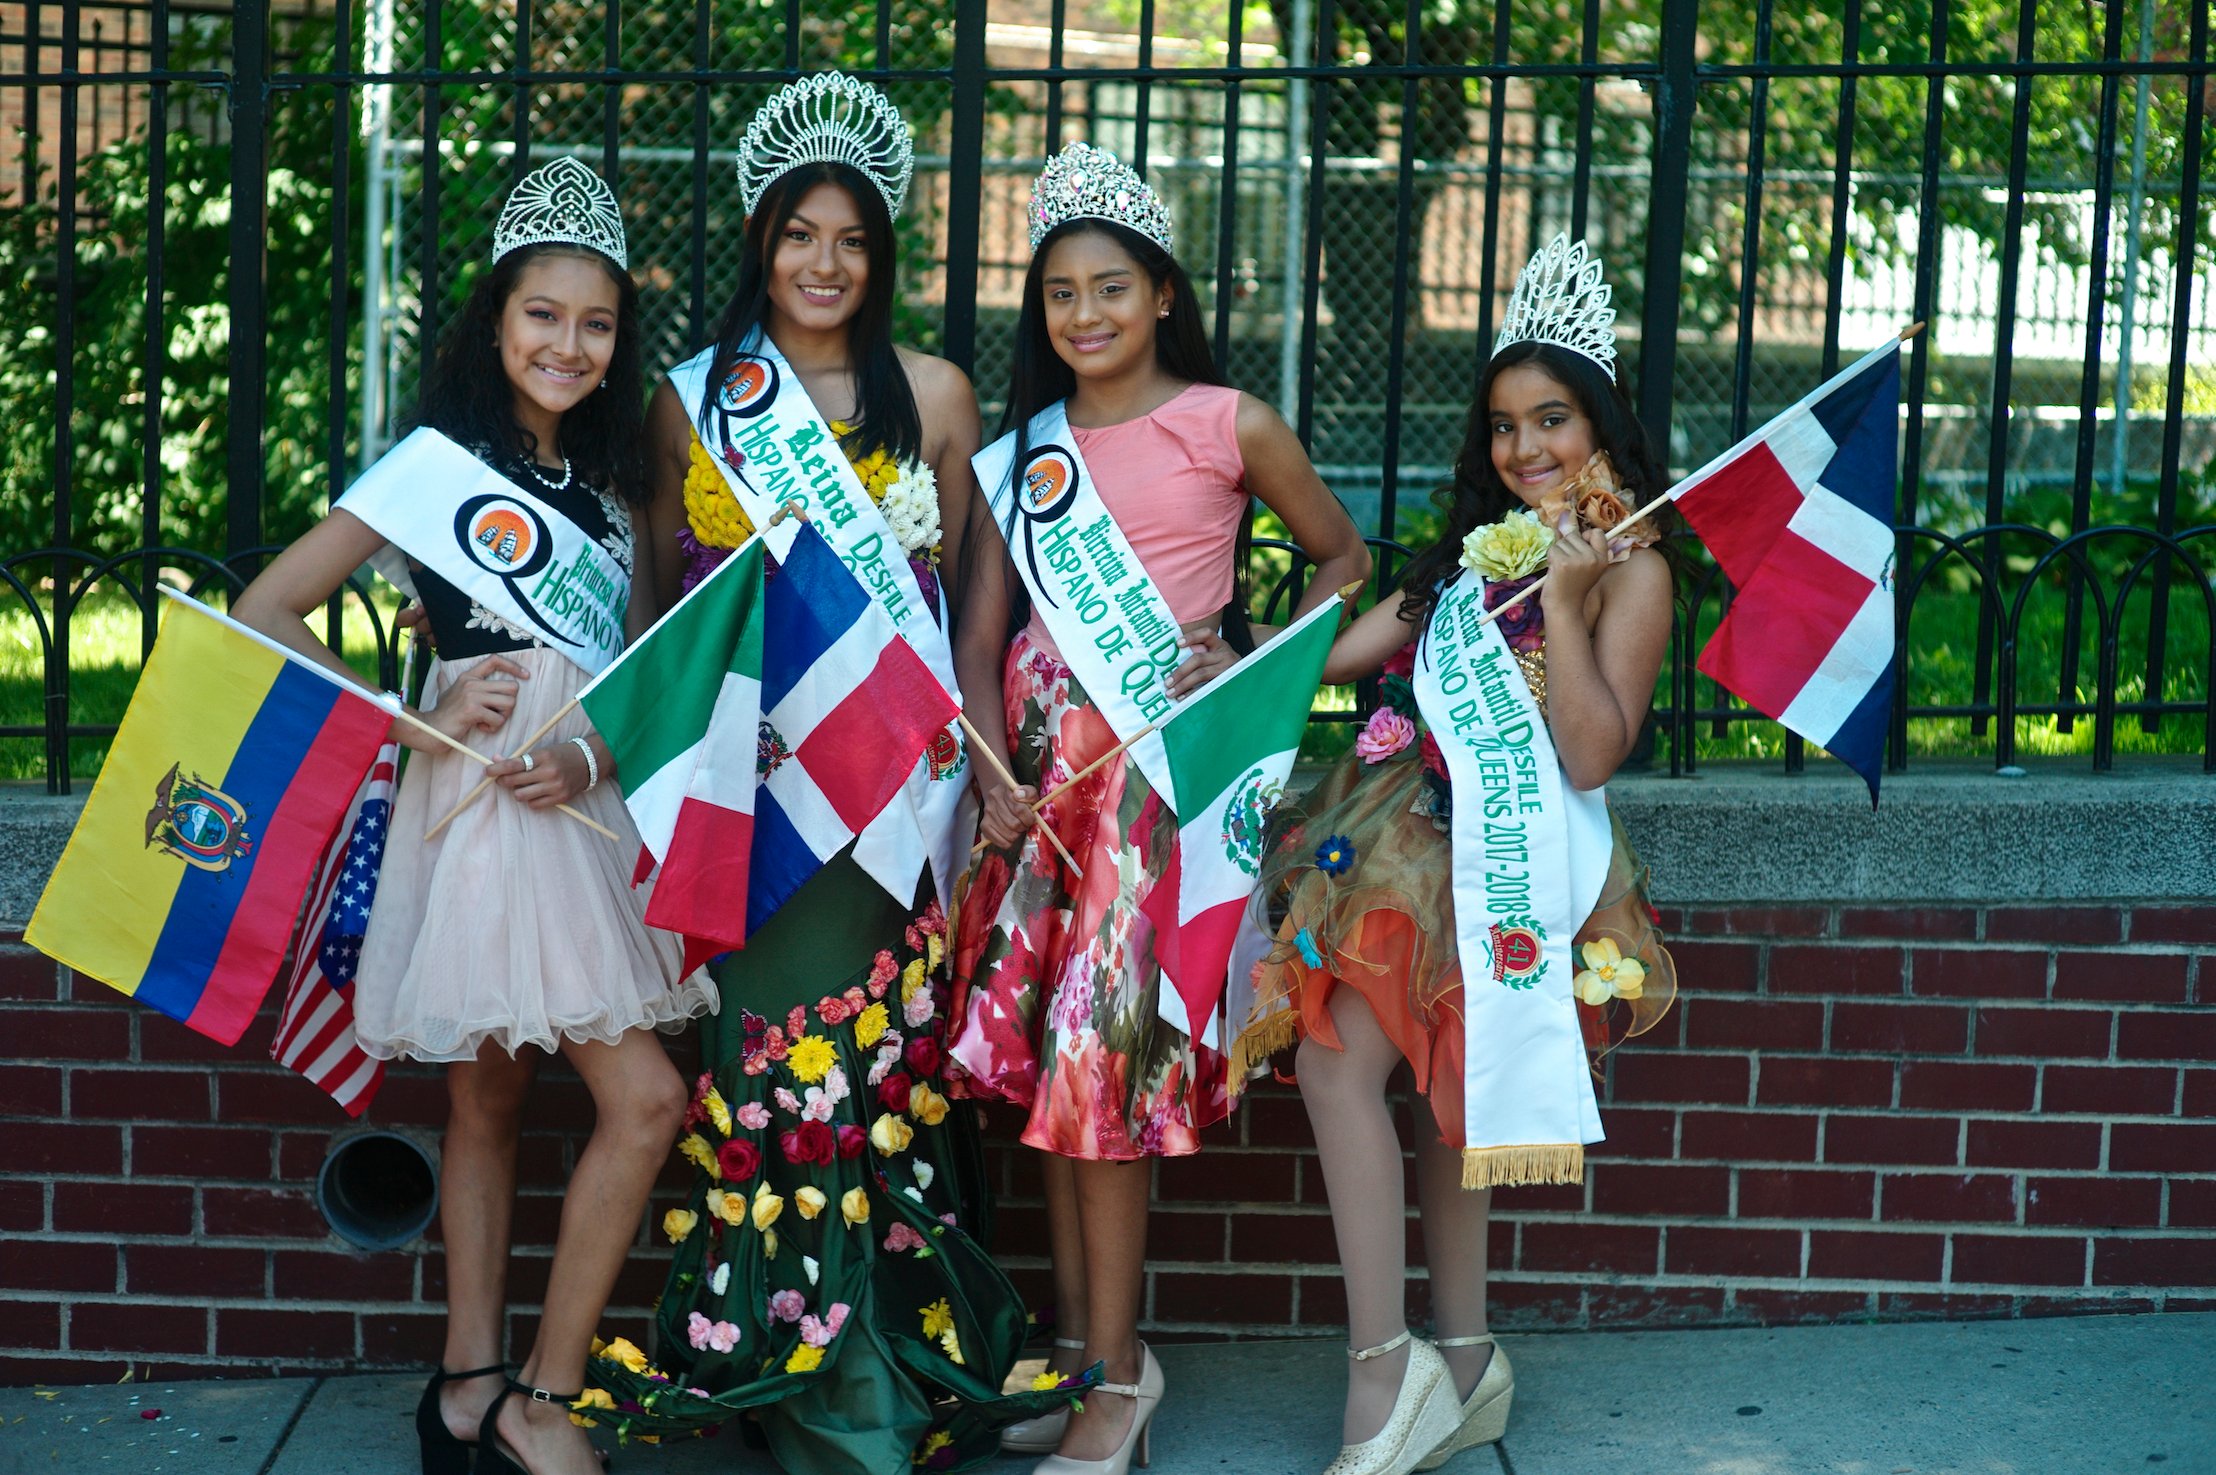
<point>679,710</point>
<point>847,709</point>
<point>315,1036</point>
<point>1230,748</point>
<point>1800,516</point>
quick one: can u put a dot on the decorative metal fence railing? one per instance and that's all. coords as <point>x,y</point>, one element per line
<point>221,249</point>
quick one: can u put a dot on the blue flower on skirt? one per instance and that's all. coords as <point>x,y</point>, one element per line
<point>1335,855</point>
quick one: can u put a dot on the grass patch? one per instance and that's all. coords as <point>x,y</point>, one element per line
<point>104,644</point>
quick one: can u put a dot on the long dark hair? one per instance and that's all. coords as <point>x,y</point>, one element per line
<point>889,420</point>
<point>467,396</point>
<point>1478,496</point>
<point>1038,376</point>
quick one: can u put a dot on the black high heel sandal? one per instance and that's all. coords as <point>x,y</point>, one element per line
<point>444,1452</point>
<point>491,1458</point>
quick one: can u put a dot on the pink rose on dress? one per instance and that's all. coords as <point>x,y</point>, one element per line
<point>786,1305</point>
<point>1387,733</point>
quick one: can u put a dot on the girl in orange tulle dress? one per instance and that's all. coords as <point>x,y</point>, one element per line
<point>1471,797</point>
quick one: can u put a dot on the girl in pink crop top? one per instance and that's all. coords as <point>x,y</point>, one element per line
<point>1055,981</point>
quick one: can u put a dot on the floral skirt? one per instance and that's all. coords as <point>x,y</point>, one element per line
<point>830,1273</point>
<point>1383,925</point>
<point>1055,982</point>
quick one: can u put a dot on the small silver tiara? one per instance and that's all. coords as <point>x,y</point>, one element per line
<point>562,201</point>
<point>829,118</point>
<point>1087,183</point>
<point>1560,299</point>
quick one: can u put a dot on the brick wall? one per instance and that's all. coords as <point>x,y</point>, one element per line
<point>1852,1113</point>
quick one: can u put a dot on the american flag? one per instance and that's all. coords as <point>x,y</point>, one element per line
<point>316,1035</point>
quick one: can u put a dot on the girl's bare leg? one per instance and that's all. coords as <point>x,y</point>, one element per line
<point>477,1197</point>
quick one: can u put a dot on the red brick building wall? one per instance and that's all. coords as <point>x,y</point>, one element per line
<point>1853,1112</point>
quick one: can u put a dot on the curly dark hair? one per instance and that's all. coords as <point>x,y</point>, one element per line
<point>889,420</point>
<point>467,396</point>
<point>1478,496</point>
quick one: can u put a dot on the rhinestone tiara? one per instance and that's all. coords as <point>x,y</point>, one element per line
<point>1087,183</point>
<point>1560,299</point>
<point>562,201</point>
<point>829,118</point>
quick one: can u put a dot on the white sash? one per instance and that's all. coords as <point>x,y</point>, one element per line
<point>512,552</point>
<point>1115,629</point>
<point>786,453</point>
<point>1530,857</point>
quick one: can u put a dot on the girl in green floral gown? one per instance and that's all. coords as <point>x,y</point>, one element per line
<point>829,1278</point>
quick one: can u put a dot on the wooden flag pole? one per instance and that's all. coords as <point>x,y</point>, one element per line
<point>485,783</point>
<point>402,714</point>
<point>977,743</point>
<point>1535,585</point>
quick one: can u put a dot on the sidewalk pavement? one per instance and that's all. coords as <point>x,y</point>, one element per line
<point>2070,1396</point>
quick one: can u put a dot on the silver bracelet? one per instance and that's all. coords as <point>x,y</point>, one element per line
<point>592,764</point>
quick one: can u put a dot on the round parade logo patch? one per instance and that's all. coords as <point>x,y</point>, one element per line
<point>748,389</point>
<point>503,537</point>
<point>1516,952</point>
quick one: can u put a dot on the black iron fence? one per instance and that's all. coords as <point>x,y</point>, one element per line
<point>229,229</point>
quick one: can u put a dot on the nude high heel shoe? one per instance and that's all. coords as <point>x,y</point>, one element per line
<point>1485,1411</point>
<point>1423,1416</point>
<point>1136,1447</point>
<point>1039,1436</point>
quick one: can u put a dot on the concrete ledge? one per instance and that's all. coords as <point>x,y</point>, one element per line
<point>1943,833</point>
<point>1735,833</point>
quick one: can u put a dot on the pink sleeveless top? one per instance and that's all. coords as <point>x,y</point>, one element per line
<point>1177,486</point>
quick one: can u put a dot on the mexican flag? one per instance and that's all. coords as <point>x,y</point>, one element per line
<point>682,710</point>
<point>1230,750</point>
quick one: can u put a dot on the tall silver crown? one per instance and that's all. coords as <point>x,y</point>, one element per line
<point>1560,299</point>
<point>562,201</point>
<point>1087,183</point>
<point>829,118</point>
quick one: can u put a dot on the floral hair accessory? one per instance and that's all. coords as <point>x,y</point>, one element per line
<point>1507,549</point>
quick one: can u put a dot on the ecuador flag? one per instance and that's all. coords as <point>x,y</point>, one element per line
<point>229,776</point>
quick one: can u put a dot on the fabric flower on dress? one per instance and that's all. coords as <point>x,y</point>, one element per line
<point>1507,549</point>
<point>805,1359</point>
<point>924,1173</point>
<point>695,1149</point>
<point>854,1206</point>
<point>786,1100</point>
<point>852,1140</point>
<point>917,1012</point>
<point>729,1207</point>
<point>818,1333</point>
<point>767,1206</point>
<point>911,505</point>
<point>678,1223</point>
<point>923,1055</point>
<point>738,1160</point>
<point>723,1336</point>
<point>621,1350</point>
<point>704,1334</point>
<point>753,1116</point>
<point>902,1237</point>
<point>882,971</point>
<point>889,1134</point>
<point>1335,855</point>
<point>1608,973</point>
<point>809,1201</point>
<point>786,1305</point>
<point>893,1092</point>
<point>720,1282</point>
<point>937,1317</point>
<point>718,1112</point>
<point>870,1028</point>
<point>810,1057</point>
<point>810,1267</point>
<point>1386,733</point>
<point>927,1105</point>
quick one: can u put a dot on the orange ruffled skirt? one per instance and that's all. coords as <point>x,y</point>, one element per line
<point>1384,926</point>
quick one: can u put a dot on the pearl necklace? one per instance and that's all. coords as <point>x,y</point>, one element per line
<point>548,482</point>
